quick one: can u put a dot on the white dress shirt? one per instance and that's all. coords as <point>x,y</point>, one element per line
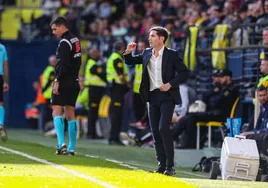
<point>154,68</point>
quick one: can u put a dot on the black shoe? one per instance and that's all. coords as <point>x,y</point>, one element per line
<point>160,170</point>
<point>265,178</point>
<point>68,153</point>
<point>61,150</point>
<point>170,171</point>
<point>116,142</point>
<point>3,134</point>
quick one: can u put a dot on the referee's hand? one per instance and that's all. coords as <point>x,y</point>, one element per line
<point>56,88</point>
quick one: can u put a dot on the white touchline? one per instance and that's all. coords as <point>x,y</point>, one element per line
<point>180,171</point>
<point>189,173</point>
<point>123,164</point>
<point>60,167</point>
<point>136,168</point>
<point>116,162</point>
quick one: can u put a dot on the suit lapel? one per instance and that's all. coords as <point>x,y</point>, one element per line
<point>146,59</point>
<point>164,61</point>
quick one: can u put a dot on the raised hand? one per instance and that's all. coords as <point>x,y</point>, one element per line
<point>131,47</point>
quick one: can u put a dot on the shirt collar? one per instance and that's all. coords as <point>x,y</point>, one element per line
<point>65,33</point>
<point>161,51</point>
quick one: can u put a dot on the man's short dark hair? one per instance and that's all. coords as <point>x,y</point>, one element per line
<point>262,88</point>
<point>216,73</point>
<point>226,72</point>
<point>265,29</point>
<point>143,41</point>
<point>118,45</point>
<point>265,58</point>
<point>60,21</point>
<point>243,9</point>
<point>161,32</point>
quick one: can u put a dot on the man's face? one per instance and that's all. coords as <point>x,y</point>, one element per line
<point>264,67</point>
<point>266,6</point>
<point>221,80</point>
<point>265,37</point>
<point>216,79</point>
<point>262,97</point>
<point>94,53</point>
<point>225,79</point>
<point>155,40</point>
<point>57,30</point>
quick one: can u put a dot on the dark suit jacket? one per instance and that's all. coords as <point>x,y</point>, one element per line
<point>173,71</point>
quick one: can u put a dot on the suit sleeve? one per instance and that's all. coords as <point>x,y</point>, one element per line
<point>181,70</point>
<point>133,59</point>
<point>65,61</point>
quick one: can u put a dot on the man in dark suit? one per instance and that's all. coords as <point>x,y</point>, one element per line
<point>163,71</point>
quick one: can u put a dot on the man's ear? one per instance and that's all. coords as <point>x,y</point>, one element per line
<point>162,38</point>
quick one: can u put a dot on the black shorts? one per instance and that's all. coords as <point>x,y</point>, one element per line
<point>69,91</point>
<point>1,88</point>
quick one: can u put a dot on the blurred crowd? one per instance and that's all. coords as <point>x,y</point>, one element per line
<point>101,22</point>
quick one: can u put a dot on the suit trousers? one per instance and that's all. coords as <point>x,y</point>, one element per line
<point>161,107</point>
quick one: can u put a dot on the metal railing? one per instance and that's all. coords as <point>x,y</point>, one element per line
<point>243,60</point>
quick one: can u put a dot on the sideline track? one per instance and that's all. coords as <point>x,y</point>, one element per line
<point>134,166</point>
<point>60,167</point>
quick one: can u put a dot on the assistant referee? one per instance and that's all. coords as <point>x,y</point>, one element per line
<point>66,86</point>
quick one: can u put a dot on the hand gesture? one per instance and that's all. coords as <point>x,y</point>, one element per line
<point>131,47</point>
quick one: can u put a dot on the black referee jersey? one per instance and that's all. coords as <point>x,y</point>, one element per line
<point>68,58</point>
